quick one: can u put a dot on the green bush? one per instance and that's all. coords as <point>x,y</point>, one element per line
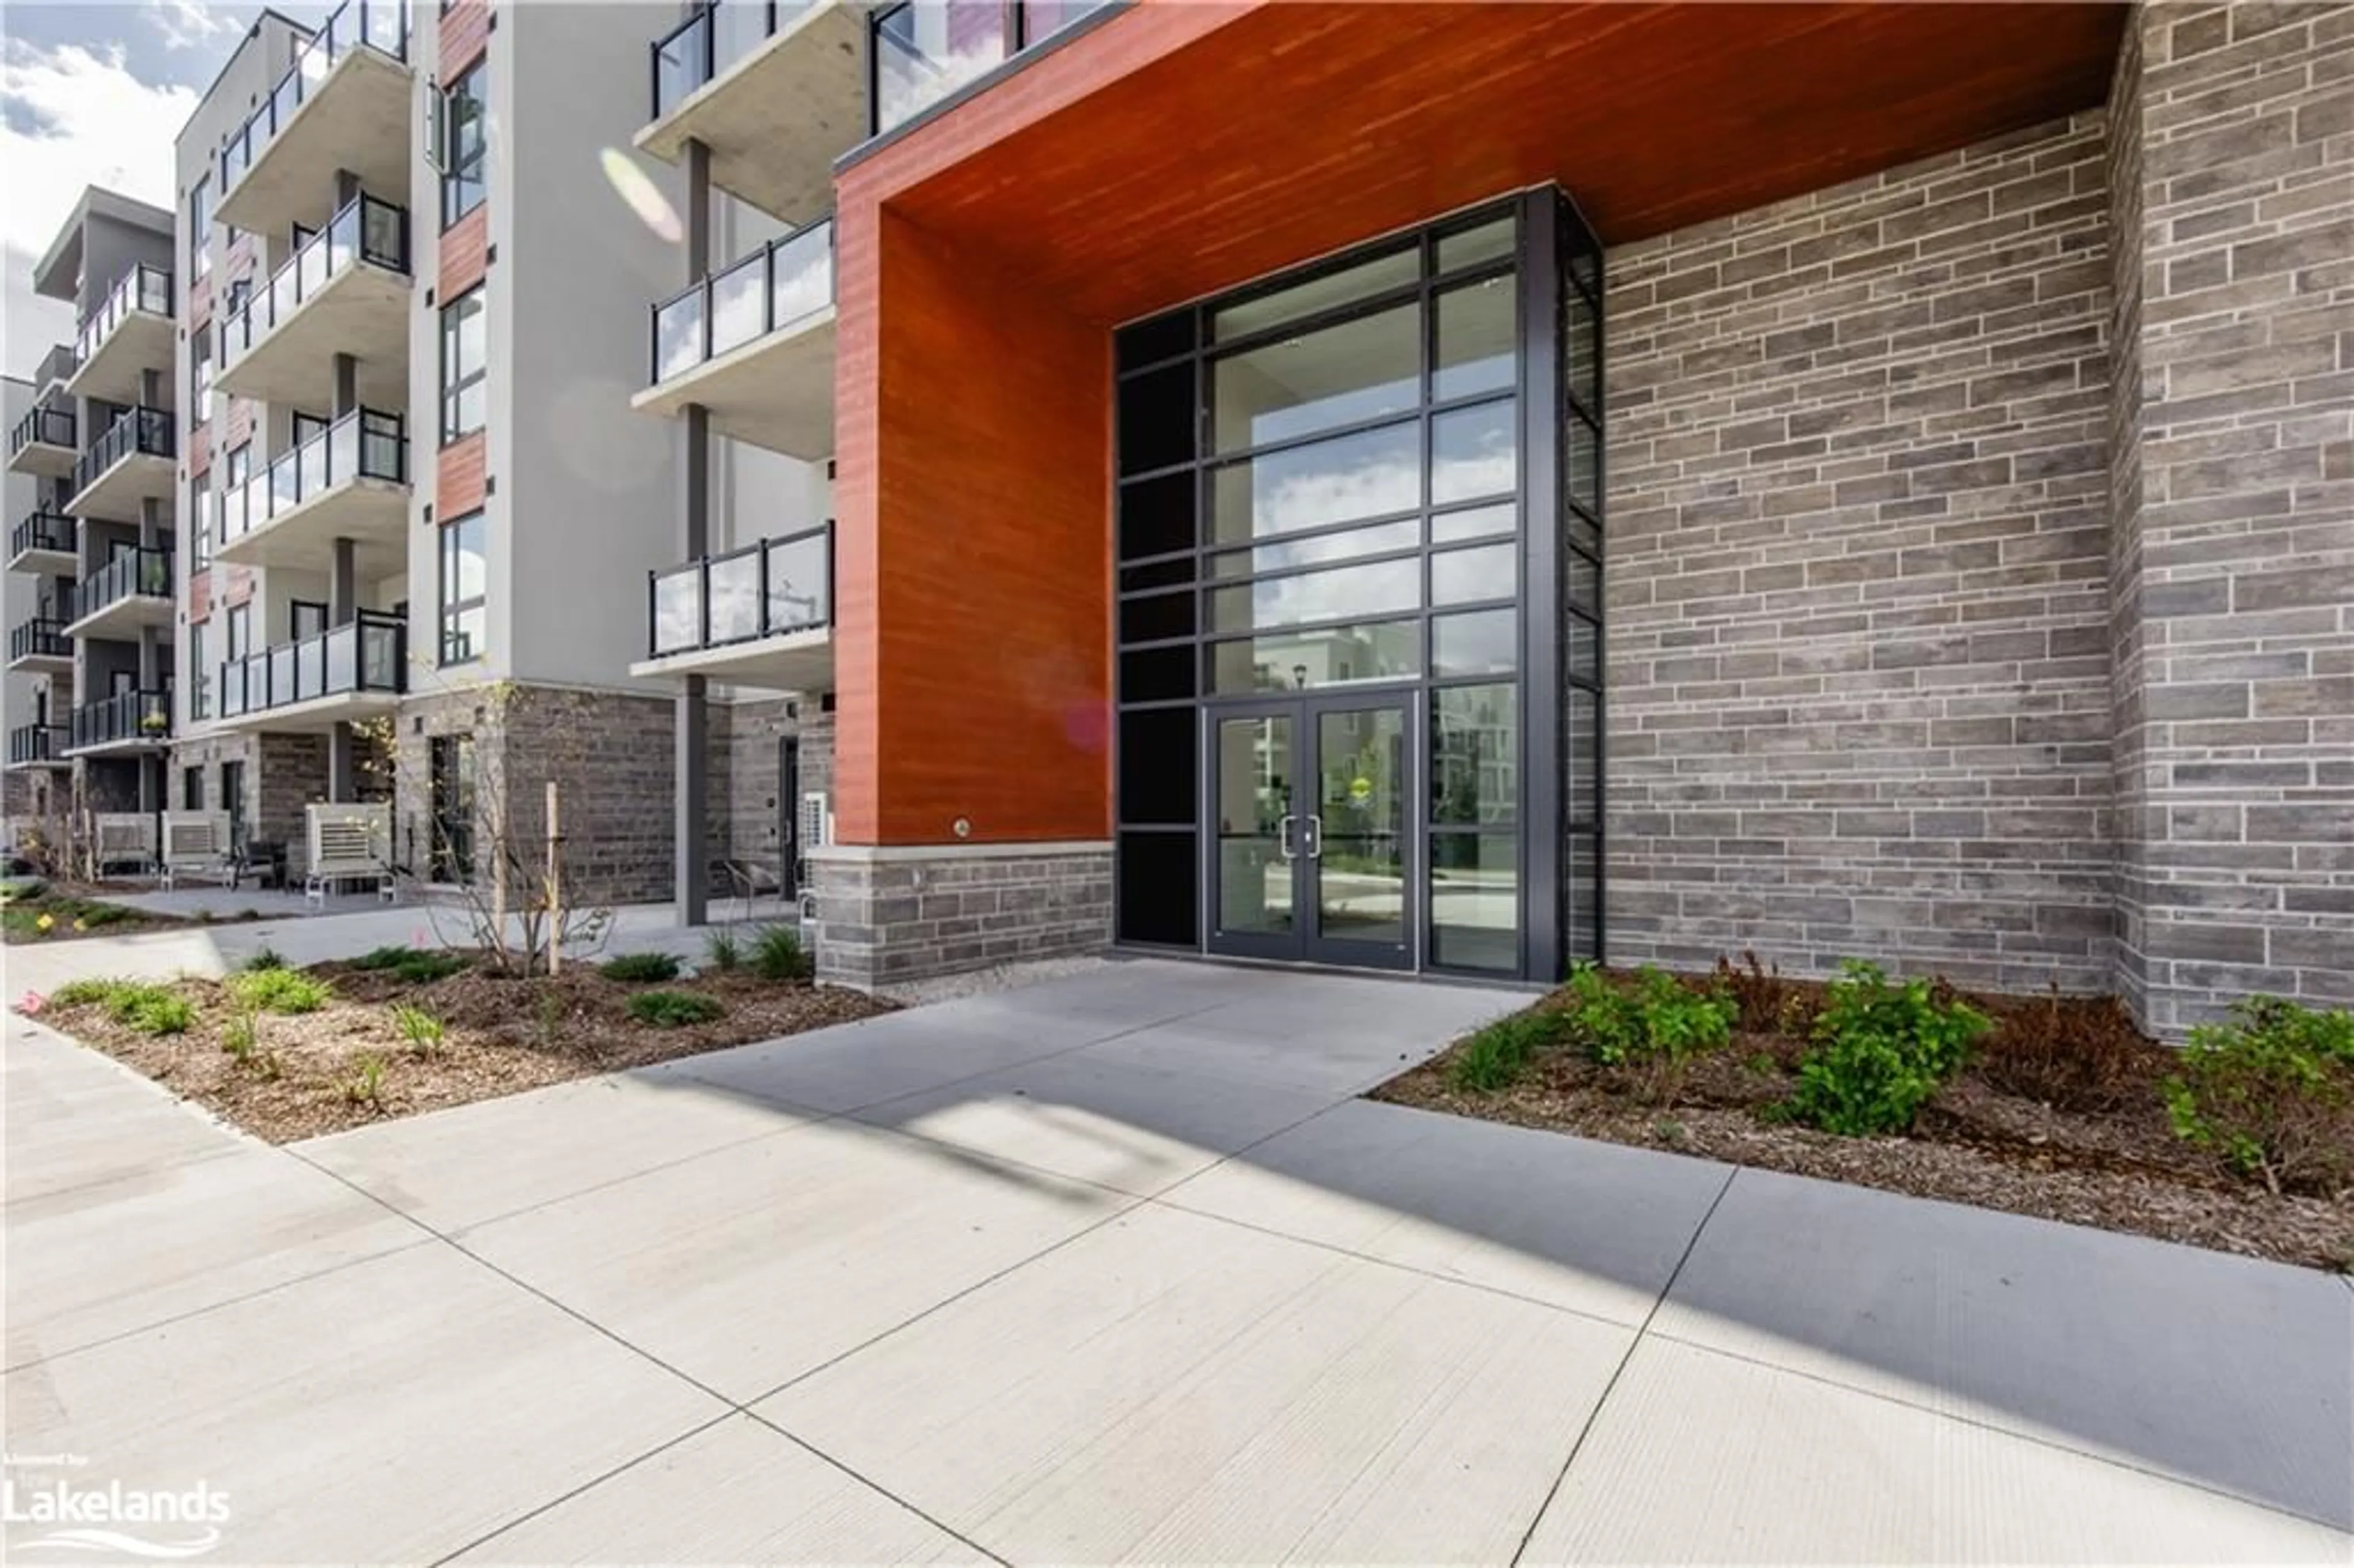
<point>721,951</point>
<point>82,992</point>
<point>149,1008</point>
<point>640,968</point>
<point>1496,1053</point>
<point>1880,1051</point>
<point>777,954</point>
<point>241,1036</point>
<point>280,991</point>
<point>265,957</point>
<point>419,1028</point>
<point>672,1008</point>
<point>1654,1019</point>
<point>2271,1095</point>
<point>417,966</point>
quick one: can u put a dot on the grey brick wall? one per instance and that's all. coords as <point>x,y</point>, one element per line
<point>891,916</point>
<point>2232,488</point>
<point>744,787</point>
<point>1857,577</point>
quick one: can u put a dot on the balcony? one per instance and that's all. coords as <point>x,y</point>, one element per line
<point>133,590</point>
<point>760,615</point>
<point>39,745</point>
<point>925,53</point>
<point>754,345</point>
<point>130,464</point>
<point>125,722</point>
<point>127,334</point>
<point>42,546</point>
<point>348,672</point>
<point>345,292</point>
<point>349,481</point>
<point>343,105</point>
<point>43,443</point>
<point>56,369</point>
<point>40,644</point>
<point>777,91</point>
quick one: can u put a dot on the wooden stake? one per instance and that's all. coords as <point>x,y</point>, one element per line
<point>555,890</point>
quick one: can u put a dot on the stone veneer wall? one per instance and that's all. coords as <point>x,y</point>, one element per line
<point>2232,490</point>
<point>1858,684</point>
<point>892,915</point>
<point>745,787</point>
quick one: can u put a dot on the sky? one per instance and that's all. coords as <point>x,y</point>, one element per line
<point>93,92</point>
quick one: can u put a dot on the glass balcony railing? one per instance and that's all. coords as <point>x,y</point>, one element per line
<point>713,38</point>
<point>920,51</point>
<point>379,25</point>
<point>125,715</point>
<point>369,230</point>
<point>776,585</point>
<point>137,571</point>
<point>41,637</point>
<point>144,288</point>
<point>37,743</point>
<point>42,531</point>
<point>140,429</point>
<point>368,654</point>
<point>49,426</point>
<point>366,444</point>
<point>56,367</point>
<point>785,279</point>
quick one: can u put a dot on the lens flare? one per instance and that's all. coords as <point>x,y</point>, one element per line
<point>631,184</point>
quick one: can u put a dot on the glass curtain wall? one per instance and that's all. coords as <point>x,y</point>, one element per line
<point>1346,480</point>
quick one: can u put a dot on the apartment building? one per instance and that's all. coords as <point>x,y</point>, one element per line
<point>90,637</point>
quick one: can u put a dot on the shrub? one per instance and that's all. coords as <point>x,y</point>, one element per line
<point>2081,1054</point>
<point>721,951</point>
<point>1496,1053</point>
<point>1655,1018</point>
<point>264,958</point>
<point>777,954</point>
<point>149,1008</point>
<point>672,1008</point>
<point>365,1084</point>
<point>640,968</point>
<point>1880,1051</point>
<point>82,992</point>
<point>280,991</point>
<point>2271,1095</point>
<point>1764,999</point>
<point>242,1036</point>
<point>417,966</point>
<point>419,1028</point>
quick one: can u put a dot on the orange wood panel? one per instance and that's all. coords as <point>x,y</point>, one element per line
<point>201,449</point>
<point>464,254</point>
<point>459,477</point>
<point>465,33</point>
<point>974,662</point>
<point>239,424</point>
<point>1179,148</point>
<point>196,309</point>
<point>200,594</point>
<point>238,588</point>
<point>240,259</point>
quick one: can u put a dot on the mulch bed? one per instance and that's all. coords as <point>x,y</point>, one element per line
<point>2058,1117</point>
<point>501,1036</point>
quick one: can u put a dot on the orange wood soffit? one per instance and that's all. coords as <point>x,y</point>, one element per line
<point>459,475</point>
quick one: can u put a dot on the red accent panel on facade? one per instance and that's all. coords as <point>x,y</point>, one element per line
<point>238,426</point>
<point>972,560</point>
<point>464,254</point>
<point>458,479</point>
<point>239,260</point>
<point>465,33</point>
<point>198,306</point>
<point>200,594</point>
<point>239,588</point>
<point>200,450</point>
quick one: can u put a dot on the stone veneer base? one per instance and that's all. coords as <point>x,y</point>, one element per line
<point>898,913</point>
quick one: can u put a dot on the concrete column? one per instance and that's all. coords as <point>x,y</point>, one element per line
<point>691,727</point>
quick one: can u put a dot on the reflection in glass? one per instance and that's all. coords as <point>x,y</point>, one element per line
<point>1584,648</point>
<point>1484,644</point>
<point>1462,576</point>
<point>1583,581</point>
<point>1584,744</point>
<point>1474,452</point>
<point>1358,282</point>
<point>1365,474</point>
<point>1472,246</point>
<point>1582,463</point>
<point>1474,755</point>
<point>1474,901</point>
<point>1380,588</point>
<point>1360,839</point>
<point>1337,376</point>
<point>1478,349</point>
<point>1318,550</point>
<point>1477,523</point>
<point>1329,656</point>
<point>927,50</point>
<point>1256,825</point>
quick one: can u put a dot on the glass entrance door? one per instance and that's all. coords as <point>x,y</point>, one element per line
<point>1310,830</point>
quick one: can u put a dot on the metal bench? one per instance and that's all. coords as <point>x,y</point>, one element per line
<point>347,843</point>
<point>196,846</point>
<point>123,838</point>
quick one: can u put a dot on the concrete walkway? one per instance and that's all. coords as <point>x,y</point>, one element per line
<point>1115,1269</point>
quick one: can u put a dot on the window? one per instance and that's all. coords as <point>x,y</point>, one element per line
<point>464,586</point>
<point>238,293</point>
<point>464,144</point>
<point>192,789</point>
<point>200,375</point>
<point>200,676</point>
<point>232,788</point>
<point>200,522</point>
<point>241,631</point>
<point>238,466</point>
<point>200,226</point>
<point>310,618</point>
<point>465,354</point>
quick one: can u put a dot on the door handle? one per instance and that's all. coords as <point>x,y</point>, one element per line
<point>1283,837</point>
<point>1315,850</point>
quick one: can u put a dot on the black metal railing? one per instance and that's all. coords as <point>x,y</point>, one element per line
<point>379,25</point>
<point>144,288</point>
<point>367,443</point>
<point>39,742</point>
<point>919,54</point>
<point>779,585</point>
<point>787,279</point>
<point>42,531</point>
<point>714,37</point>
<point>56,367</point>
<point>366,229</point>
<point>41,637</point>
<point>138,429</point>
<point>138,571</point>
<point>125,715</point>
<point>369,653</point>
<point>51,426</point>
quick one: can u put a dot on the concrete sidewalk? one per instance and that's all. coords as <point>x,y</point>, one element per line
<point>1116,1268</point>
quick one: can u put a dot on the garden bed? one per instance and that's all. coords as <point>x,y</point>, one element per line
<point>345,1043</point>
<point>2058,1112</point>
<point>72,914</point>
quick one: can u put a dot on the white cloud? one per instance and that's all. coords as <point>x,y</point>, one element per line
<point>71,117</point>
<point>191,24</point>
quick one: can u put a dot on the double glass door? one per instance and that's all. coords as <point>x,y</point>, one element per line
<point>1312,857</point>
